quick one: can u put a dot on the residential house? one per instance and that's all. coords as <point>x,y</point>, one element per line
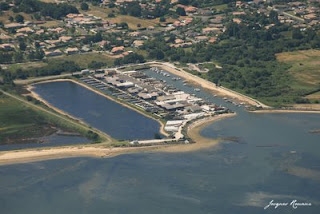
<point>70,51</point>
<point>117,50</point>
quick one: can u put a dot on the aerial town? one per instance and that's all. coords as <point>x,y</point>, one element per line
<point>152,95</point>
<point>104,28</point>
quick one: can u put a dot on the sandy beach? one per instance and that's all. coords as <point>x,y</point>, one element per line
<point>104,150</point>
<point>271,111</point>
<point>194,132</point>
<point>40,154</point>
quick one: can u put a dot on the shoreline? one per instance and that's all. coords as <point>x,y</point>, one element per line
<point>271,111</point>
<point>105,151</point>
<point>55,153</point>
<point>221,91</point>
<point>37,96</point>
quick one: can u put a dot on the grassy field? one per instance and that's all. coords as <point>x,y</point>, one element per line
<point>130,20</point>
<point>98,11</point>
<point>305,70</point>
<point>19,123</point>
<point>26,66</point>
<point>50,24</point>
<point>4,17</point>
<point>314,96</point>
<point>133,21</point>
<point>84,59</point>
<point>221,7</point>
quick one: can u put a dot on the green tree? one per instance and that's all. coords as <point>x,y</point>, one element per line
<point>274,16</point>
<point>296,34</point>
<point>22,45</point>
<point>18,57</point>
<point>19,18</point>
<point>96,65</point>
<point>162,19</point>
<point>123,25</point>
<point>84,6</point>
<point>4,6</point>
<point>180,11</point>
<point>133,9</point>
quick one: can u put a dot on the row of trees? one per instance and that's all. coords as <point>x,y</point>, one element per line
<point>131,58</point>
<point>134,9</point>
<point>56,11</point>
<point>19,56</point>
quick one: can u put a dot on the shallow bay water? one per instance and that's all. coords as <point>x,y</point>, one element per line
<point>264,157</point>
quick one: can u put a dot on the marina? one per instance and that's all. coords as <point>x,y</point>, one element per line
<point>156,96</point>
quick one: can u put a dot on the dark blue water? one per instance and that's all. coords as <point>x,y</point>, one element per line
<point>99,112</point>
<point>271,157</point>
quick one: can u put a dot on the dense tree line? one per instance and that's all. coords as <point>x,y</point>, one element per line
<point>6,57</point>
<point>131,58</point>
<point>93,38</point>
<point>204,3</point>
<point>56,11</point>
<point>134,9</point>
<point>52,68</point>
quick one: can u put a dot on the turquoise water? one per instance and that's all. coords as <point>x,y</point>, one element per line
<point>274,157</point>
<point>118,121</point>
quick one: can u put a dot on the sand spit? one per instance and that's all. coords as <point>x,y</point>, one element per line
<point>194,132</point>
<point>104,150</point>
<point>270,111</point>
